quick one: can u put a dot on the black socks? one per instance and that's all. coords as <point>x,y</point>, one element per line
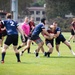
<point>37,54</point>
<point>3,56</point>
<point>29,50</point>
<point>47,54</point>
<point>18,57</point>
<point>19,47</point>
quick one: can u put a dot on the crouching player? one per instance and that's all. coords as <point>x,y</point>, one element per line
<point>60,38</point>
<point>49,41</point>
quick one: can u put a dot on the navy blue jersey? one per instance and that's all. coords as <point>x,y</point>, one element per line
<point>11,26</point>
<point>58,29</point>
<point>38,29</point>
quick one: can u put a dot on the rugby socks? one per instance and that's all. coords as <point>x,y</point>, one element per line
<point>37,54</point>
<point>48,53</point>
<point>58,53</point>
<point>19,47</point>
<point>29,50</point>
<point>72,52</point>
<point>18,57</point>
<point>3,56</point>
<point>45,54</point>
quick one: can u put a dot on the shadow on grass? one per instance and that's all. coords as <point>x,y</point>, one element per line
<point>29,62</point>
<point>62,57</point>
<point>59,57</point>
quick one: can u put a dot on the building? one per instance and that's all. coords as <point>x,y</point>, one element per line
<point>69,15</point>
<point>37,13</point>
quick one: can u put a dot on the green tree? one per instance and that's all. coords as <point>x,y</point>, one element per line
<point>5,5</point>
<point>55,8</point>
<point>22,6</point>
<point>38,3</point>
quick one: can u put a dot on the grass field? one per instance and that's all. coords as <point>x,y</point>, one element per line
<point>30,65</point>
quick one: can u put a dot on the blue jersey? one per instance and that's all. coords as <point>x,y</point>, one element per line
<point>58,29</point>
<point>38,29</point>
<point>11,26</point>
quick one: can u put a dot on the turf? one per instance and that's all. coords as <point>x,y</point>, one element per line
<point>30,65</point>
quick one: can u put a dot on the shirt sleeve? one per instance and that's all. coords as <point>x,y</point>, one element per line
<point>58,29</point>
<point>42,27</point>
<point>2,22</point>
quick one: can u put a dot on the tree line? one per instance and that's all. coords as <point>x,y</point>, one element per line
<point>55,8</point>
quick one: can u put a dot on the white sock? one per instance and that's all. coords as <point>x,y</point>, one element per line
<point>72,52</point>
<point>58,53</point>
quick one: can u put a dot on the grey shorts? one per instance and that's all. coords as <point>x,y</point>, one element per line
<point>36,39</point>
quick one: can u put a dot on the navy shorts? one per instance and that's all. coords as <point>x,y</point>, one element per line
<point>50,41</point>
<point>60,39</point>
<point>12,39</point>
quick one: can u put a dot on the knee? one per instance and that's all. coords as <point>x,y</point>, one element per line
<point>42,43</point>
<point>28,46</point>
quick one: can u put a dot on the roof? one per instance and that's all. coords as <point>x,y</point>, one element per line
<point>36,8</point>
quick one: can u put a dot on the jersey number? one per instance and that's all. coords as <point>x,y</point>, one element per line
<point>12,23</point>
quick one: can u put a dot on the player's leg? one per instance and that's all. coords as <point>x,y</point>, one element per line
<point>57,49</point>
<point>57,40</point>
<point>50,49</point>
<point>17,53</point>
<point>72,35</point>
<point>50,45</point>
<point>2,41</point>
<point>69,46</point>
<point>4,52</point>
<point>26,47</point>
<point>15,43</point>
<point>40,44</point>
<point>74,39</point>
<point>23,42</point>
<point>70,38</point>
<point>22,45</point>
<point>42,49</point>
<point>7,43</point>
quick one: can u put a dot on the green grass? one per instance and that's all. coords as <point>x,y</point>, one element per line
<point>30,65</point>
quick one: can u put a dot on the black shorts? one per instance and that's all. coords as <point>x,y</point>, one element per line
<point>50,41</point>
<point>72,32</point>
<point>12,39</point>
<point>24,41</point>
<point>59,39</point>
<point>4,33</point>
<point>0,35</point>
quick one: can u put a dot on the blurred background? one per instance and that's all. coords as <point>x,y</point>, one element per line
<point>61,11</point>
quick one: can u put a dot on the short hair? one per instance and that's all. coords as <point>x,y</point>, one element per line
<point>43,20</point>
<point>9,15</point>
<point>55,22</point>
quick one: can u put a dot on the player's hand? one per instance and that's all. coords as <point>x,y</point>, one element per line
<point>23,37</point>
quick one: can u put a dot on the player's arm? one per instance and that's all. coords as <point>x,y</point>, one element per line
<point>3,28</point>
<point>45,32</point>
<point>47,37</point>
<point>57,34</point>
<point>21,32</point>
